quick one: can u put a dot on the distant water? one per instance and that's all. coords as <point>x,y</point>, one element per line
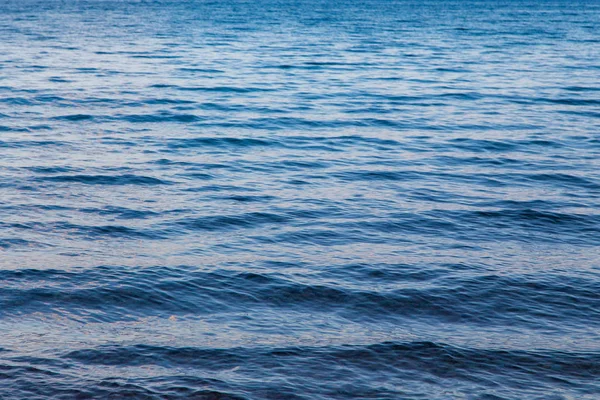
<point>309,199</point>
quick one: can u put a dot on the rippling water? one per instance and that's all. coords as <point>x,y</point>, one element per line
<point>308,199</point>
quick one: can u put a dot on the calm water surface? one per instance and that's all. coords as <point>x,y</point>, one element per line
<point>299,199</point>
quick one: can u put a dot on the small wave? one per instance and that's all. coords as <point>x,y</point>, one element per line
<point>401,364</point>
<point>538,301</point>
<point>574,102</point>
<point>161,101</point>
<point>127,179</point>
<point>582,89</point>
<point>32,143</point>
<point>436,359</point>
<point>562,179</point>
<point>52,170</point>
<point>153,118</point>
<point>75,117</point>
<point>121,212</point>
<point>378,175</point>
<point>220,142</point>
<point>480,145</point>
<point>227,222</point>
<point>223,89</point>
<point>4,128</point>
<point>11,243</point>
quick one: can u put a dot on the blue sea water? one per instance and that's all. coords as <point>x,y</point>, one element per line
<point>303,199</point>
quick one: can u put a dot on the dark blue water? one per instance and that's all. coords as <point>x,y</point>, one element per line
<point>299,199</point>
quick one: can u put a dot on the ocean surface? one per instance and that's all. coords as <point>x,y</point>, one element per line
<point>303,199</point>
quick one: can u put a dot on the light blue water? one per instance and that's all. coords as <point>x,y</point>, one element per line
<point>299,199</point>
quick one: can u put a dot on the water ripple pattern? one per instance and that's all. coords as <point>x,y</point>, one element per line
<point>305,199</point>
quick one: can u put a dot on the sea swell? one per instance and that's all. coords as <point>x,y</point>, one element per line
<point>309,200</point>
